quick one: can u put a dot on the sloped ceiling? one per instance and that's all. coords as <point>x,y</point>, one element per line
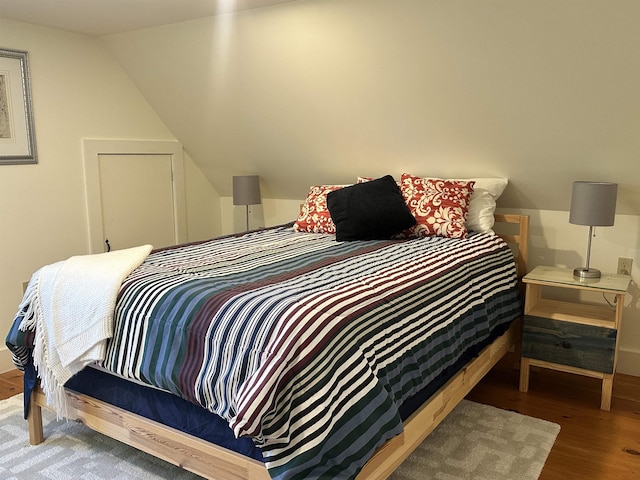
<point>106,17</point>
<point>321,91</point>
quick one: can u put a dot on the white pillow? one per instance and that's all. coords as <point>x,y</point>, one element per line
<point>482,205</point>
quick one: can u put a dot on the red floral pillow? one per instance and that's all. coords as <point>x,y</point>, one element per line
<point>439,206</point>
<point>314,215</point>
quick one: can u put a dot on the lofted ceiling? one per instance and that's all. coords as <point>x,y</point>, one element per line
<point>106,17</point>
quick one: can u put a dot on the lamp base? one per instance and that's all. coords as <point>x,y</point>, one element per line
<point>584,272</point>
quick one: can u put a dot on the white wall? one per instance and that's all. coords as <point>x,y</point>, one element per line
<point>270,213</point>
<point>79,91</point>
<point>543,92</point>
<point>203,204</point>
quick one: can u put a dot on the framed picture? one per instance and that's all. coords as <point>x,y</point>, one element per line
<point>17,138</point>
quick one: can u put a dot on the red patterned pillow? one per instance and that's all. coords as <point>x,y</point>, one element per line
<point>439,206</point>
<point>314,215</point>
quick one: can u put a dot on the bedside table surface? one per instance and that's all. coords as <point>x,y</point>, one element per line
<point>550,275</point>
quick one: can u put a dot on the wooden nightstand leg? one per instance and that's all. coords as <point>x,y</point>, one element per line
<point>607,390</point>
<point>524,374</point>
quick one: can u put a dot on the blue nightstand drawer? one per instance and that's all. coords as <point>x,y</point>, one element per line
<point>567,343</point>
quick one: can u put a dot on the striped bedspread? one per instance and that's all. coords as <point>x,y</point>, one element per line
<point>306,344</point>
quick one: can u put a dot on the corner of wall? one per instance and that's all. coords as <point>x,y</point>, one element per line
<point>628,362</point>
<point>6,362</point>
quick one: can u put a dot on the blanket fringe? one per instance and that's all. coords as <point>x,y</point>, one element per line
<point>53,390</point>
<point>34,320</point>
<point>27,308</point>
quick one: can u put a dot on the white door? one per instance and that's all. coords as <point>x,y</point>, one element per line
<point>137,200</point>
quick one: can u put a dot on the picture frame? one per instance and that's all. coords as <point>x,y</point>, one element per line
<point>17,136</point>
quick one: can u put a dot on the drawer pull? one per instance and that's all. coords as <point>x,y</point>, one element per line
<point>566,345</point>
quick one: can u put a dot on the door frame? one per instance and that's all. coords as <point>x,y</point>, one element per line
<point>92,149</point>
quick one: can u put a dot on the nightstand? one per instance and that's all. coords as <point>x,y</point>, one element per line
<point>572,336</point>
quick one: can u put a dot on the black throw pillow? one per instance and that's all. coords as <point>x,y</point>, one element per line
<point>373,210</point>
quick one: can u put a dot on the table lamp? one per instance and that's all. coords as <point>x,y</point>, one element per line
<point>246,191</point>
<point>592,204</point>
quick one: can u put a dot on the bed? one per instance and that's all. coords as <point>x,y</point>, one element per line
<point>311,398</point>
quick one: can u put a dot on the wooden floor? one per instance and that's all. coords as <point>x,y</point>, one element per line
<point>592,444</point>
<point>10,384</point>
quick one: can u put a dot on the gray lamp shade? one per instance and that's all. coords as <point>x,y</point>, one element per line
<point>593,203</point>
<point>246,190</point>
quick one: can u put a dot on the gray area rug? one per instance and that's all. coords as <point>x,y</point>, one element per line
<point>480,442</point>
<point>474,442</point>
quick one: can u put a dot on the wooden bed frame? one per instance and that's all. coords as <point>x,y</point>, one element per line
<point>217,463</point>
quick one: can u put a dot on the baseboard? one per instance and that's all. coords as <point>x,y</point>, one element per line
<point>6,362</point>
<point>628,362</point>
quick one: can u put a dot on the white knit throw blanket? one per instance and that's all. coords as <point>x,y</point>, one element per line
<point>70,305</point>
